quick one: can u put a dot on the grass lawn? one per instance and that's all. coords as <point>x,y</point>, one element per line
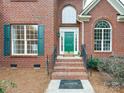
<point>29,80</point>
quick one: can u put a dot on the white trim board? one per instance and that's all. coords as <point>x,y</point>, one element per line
<point>116,4</point>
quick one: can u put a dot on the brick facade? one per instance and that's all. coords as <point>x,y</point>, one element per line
<point>40,12</point>
<point>48,12</point>
<point>105,11</point>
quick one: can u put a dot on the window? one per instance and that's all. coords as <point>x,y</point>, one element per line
<point>24,39</point>
<point>69,15</point>
<point>103,36</point>
<point>76,41</point>
<point>61,43</point>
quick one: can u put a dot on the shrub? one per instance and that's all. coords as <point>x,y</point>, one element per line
<point>114,66</point>
<point>2,90</point>
<point>93,62</point>
<point>5,84</point>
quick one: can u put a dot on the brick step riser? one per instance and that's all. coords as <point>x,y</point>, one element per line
<point>69,61</point>
<point>69,70</point>
<point>72,65</point>
<point>70,77</point>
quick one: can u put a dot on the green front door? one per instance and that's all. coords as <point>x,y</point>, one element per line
<point>69,42</point>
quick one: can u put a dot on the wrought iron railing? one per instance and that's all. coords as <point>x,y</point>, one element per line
<point>84,55</point>
<point>50,61</point>
<point>54,56</point>
<point>47,65</point>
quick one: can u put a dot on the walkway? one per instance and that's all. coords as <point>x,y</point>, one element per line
<point>73,73</point>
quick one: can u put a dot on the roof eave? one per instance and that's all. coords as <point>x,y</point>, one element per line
<point>90,7</point>
<point>117,5</point>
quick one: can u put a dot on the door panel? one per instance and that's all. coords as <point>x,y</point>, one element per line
<point>69,42</point>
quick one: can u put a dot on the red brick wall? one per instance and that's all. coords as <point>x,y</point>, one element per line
<point>55,21</point>
<point>40,12</point>
<point>105,11</point>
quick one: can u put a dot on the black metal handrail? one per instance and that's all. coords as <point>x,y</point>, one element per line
<point>84,55</point>
<point>54,56</point>
<point>47,65</point>
<point>50,61</point>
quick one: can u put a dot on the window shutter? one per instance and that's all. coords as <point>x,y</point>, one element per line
<point>41,40</point>
<point>7,39</point>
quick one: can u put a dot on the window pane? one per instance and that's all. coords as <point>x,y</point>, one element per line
<point>31,31</point>
<point>75,42</point>
<point>32,47</point>
<point>69,15</point>
<point>98,45</point>
<point>25,36</point>
<point>18,32</point>
<point>98,34</point>
<point>18,47</point>
<point>98,39</point>
<point>106,45</point>
<point>102,24</point>
<point>107,34</point>
<point>61,43</point>
<point>107,37</point>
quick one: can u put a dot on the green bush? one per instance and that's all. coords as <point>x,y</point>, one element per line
<point>2,90</point>
<point>5,84</point>
<point>93,62</point>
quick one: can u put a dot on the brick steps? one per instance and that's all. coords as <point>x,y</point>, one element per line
<point>69,75</point>
<point>69,60</point>
<point>69,68</point>
<point>68,65</point>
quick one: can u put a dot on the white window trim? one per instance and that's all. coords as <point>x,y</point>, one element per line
<point>25,44</point>
<point>103,41</point>
<point>62,30</point>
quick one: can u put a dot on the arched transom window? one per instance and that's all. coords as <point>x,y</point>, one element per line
<point>103,36</point>
<point>69,15</point>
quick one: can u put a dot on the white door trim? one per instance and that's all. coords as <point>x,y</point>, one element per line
<point>83,33</point>
<point>62,30</point>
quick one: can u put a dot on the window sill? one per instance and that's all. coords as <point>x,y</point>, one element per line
<point>24,56</point>
<point>68,25</point>
<point>23,0</point>
<point>102,51</point>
